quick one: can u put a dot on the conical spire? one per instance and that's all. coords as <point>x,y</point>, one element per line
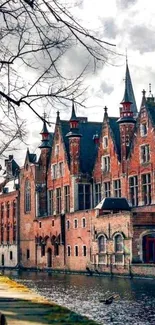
<point>45,137</point>
<point>129,96</point>
<point>73,115</point>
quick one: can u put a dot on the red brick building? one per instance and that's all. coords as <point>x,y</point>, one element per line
<point>9,214</point>
<point>64,221</point>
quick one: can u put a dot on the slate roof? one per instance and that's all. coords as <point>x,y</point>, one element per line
<point>114,204</point>
<point>88,149</point>
<point>129,91</point>
<point>115,133</point>
<point>150,106</point>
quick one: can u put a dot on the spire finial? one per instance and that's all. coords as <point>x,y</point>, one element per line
<point>44,115</point>
<point>126,56</point>
<point>105,109</point>
<point>150,92</point>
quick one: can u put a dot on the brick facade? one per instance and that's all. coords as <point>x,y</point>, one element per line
<point>61,225</point>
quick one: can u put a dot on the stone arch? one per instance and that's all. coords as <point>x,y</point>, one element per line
<point>147,246</point>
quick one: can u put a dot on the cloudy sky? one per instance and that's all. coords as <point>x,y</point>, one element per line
<point>129,24</point>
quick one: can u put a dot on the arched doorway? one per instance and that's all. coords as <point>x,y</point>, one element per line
<point>49,257</point>
<point>149,248</point>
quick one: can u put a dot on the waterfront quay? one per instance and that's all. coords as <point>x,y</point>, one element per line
<point>23,306</point>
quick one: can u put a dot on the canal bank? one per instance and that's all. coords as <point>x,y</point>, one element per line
<point>23,306</point>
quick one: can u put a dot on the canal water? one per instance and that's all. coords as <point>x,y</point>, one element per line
<point>80,293</point>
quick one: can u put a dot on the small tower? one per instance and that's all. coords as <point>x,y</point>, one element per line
<point>42,172</point>
<point>126,121</point>
<point>74,143</point>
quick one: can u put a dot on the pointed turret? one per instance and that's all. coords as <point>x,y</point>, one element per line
<point>74,124</point>
<point>74,143</point>
<point>129,93</point>
<point>127,112</point>
<point>45,137</point>
<point>126,121</point>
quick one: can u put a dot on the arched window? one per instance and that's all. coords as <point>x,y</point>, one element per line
<point>27,196</point>
<point>118,243</point>
<point>118,247</point>
<point>102,244</point>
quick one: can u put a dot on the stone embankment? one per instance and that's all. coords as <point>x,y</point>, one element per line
<point>22,306</point>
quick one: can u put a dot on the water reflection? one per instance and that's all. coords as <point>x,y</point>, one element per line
<point>136,305</point>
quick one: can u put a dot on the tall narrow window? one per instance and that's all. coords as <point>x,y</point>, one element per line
<point>67,198</point>
<point>14,209</point>
<point>11,255</point>
<point>107,189</point>
<point>54,171</point>
<point>76,251</point>
<point>84,250</point>
<point>27,196</point>
<point>58,200</point>
<point>50,202</point>
<point>102,244</point>
<point>8,209</point>
<point>146,188</point>
<point>8,234</point>
<point>28,254</point>
<point>97,193</point>
<point>61,169</point>
<point>102,258</point>
<point>68,224</point>
<point>83,222</point>
<point>143,129</point>
<point>14,233</point>
<point>118,246</point>
<point>2,211</point>
<point>117,188</point>
<point>133,190</point>
<point>75,223</point>
<point>2,233</point>
<point>68,251</point>
<point>84,196</point>
<point>105,163</point>
<point>145,153</point>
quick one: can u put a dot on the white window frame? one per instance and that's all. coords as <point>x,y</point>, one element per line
<point>75,250</point>
<point>117,188</point>
<point>118,252</point>
<point>75,220</point>
<point>143,129</point>
<point>83,250</point>
<point>82,222</point>
<point>145,156</point>
<point>105,142</point>
<point>105,163</point>
<point>68,223</point>
<point>108,190</point>
<point>54,171</point>
<point>135,190</point>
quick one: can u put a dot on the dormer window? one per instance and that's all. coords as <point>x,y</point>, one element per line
<point>143,129</point>
<point>105,142</point>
